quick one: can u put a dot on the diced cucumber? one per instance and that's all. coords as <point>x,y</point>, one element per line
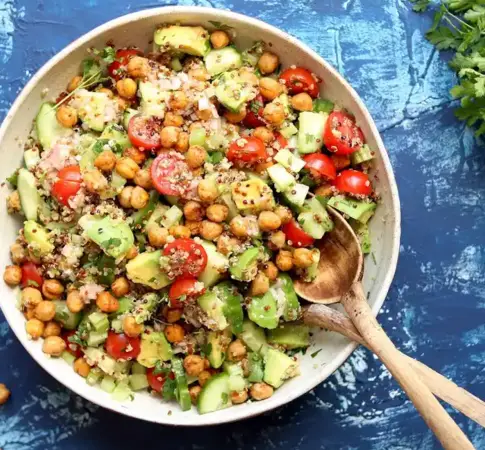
<point>232,308</point>
<point>127,115</point>
<point>311,226</point>
<point>282,179</point>
<point>68,357</point>
<point>256,367</point>
<point>124,305</point>
<point>31,157</point>
<point>217,264</point>
<point>229,202</point>
<point>99,321</point>
<point>360,210</point>
<point>108,384</point>
<point>156,216</point>
<point>289,160</point>
<point>254,337</point>
<point>144,213</point>
<point>96,338</point>
<point>29,195</point>
<point>215,394</point>
<point>138,381</point>
<point>263,310</point>
<point>290,336</point>
<point>222,60</point>
<point>213,307</point>
<point>94,377</point>
<point>297,194</point>
<point>237,382</point>
<point>364,154</point>
<point>363,233</point>
<point>47,126</point>
<point>137,368</point>
<point>288,129</point>
<point>197,137</point>
<point>65,317</point>
<point>122,391</point>
<point>310,131</point>
<point>182,393</point>
<point>176,65</point>
<point>218,341</point>
<point>172,217</point>
<point>245,266</point>
<point>292,308</point>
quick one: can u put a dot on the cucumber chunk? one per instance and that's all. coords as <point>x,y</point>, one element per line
<point>215,394</point>
<point>310,132</point>
<point>360,210</point>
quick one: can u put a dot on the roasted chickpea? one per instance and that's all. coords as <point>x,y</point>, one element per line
<point>199,73</point>
<point>239,397</point>
<point>274,113</point>
<point>193,226</point>
<point>124,197</point>
<point>268,63</point>
<point>81,367</point>
<point>29,312</point>
<point>194,392</point>
<point>193,211</point>
<point>169,136</point>
<point>302,102</point>
<point>74,301</point>
<point>105,161</point>
<point>260,285</point>
<point>325,190</point>
<point>217,213</point>
<point>143,179</point>
<point>195,156</point>
<point>235,117</point>
<point>126,88</point>
<point>13,202</point>
<point>238,227</point>
<point>204,114</point>
<point>74,83</point>
<point>277,240</point>
<point>106,91</point>
<point>4,394</point>
<point>45,311</point>
<point>179,231</point>
<point>204,377</point>
<point>270,270</point>
<point>67,116</point>
<point>284,260</point>
<point>120,287</point>
<point>172,315</point>
<point>52,289</point>
<point>193,365</point>
<point>179,100</point>
<point>136,155</point>
<point>139,197</point>
<point>207,191</point>
<point>270,88</point>
<point>284,214</point>
<point>269,221</point>
<point>138,67</point>
<point>132,252</point>
<point>31,296</point>
<point>51,329</point>
<point>265,134</point>
<point>127,168</point>
<point>53,346</point>
<point>219,39</point>
<point>106,302</point>
<point>227,244</point>
<point>236,351</point>
<point>157,236</point>
<point>302,258</point>
<point>174,333</point>
<point>35,328</point>
<point>131,328</point>
<point>210,230</point>
<point>173,120</point>
<point>17,253</point>
<point>182,144</point>
<point>261,391</point>
<point>95,181</point>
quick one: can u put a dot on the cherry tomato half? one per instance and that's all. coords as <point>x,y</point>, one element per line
<point>120,346</point>
<point>254,115</point>
<point>186,258</point>
<point>353,182</point>
<point>118,67</point>
<point>342,135</point>
<point>282,141</point>
<point>183,287</point>
<point>67,185</point>
<point>156,382</point>
<point>31,276</point>
<point>143,133</point>
<point>296,235</point>
<point>249,150</point>
<point>320,166</point>
<point>299,80</point>
<point>73,349</point>
<point>170,174</point>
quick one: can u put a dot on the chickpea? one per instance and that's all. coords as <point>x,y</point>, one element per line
<point>45,310</point>
<point>263,133</point>
<point>106,91</point>
<point>211,230</point>
<point>199,73</point>
<point>81,367</point>
<point>226,244</point>
<point>204,377</point>
<point>204,114</point>
<point>157,236</point>
<point>13,202</point>
<point>207,190</point>
<point>172,315</point>
<point>74,83</point>
<point>122,102</point>
<point>238,227</point>
<point>302,102</point>
<point>325,190</point>
<point>194,392</point>
<point>219,39</point>
<point>12,275</point>
<point>139,197</point>
<point>178,100</point>
<point>173,120</point>
<point>269,221</point>
<point>270,88</point>
<point>124,197</point>
<point>239,397</point>
<point>236,351</point>
<point>132,252</point>
<point>51,329</point>
<point>270,270</point>
<point>235,117</point>
<point>268,63</point>
<point>105,161</point>
<point>127,168</point>
<point>126,88</point>
<point>29,312</point>
<point>195,156</point>
<point>217,213</point>
<point>52,289</point>
<point>277,240</point>
<point>66,116</point>
<point>193,226</point>
<point>302,258</point>
<point>136,155</point>
<point>131,328</point>
<point>31,297</point>
<point>35,328</point>
<point>95,181</point>
<point>143,179</point>
<point>284,214</point>
<point>245,367</point>
<point>193,365</point>
<point>74,302</point>
<point>169,136</point>
<point>260,285</point>
<point>284,260</point>
<point>53,346</point>
<point>174,333</point>
<point>120,287</point>
<point>179,231</point>
<point>274,113</point>
<point>261,391</point>
<point>183,143</point>
<point>193,211</point>
<point>106,302</point>
<point>17,253</point>
<point>138,67</point>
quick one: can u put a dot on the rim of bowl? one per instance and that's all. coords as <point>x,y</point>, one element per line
<point>262,407</point>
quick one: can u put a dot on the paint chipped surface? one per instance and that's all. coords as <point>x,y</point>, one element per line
<point>435,309</point>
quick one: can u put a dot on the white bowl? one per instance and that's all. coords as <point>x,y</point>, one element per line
<point>137,29</point>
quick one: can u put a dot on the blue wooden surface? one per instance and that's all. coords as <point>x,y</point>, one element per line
<point>435,309</point>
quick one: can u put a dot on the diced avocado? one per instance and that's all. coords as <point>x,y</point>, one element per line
<point>38,238</point>
<point>297,194</point>
<point>310,273</point>
<point>198,137</point>
<point>29,195</point>
<point>99,321</point>
<point>282,179</point>
<point>222,60</point>
<point>153,347</point>
<point>122,391</point>
<point>48,128</point>
<point>310,131</point>
<point>232,308</point>
<point>183,39</point>
<point>360,210</point>
<point>363,233</point>
<point>108,384</point>
<point>176,65</point>
<point>290,336</point>
<point>145,269</point>
<point>31,157</point>
<point>138,381</point>
<point>254,337</point>
<point>145,306</point>
<point>229,202</point>
<point>65,317</point>
<point>232,91</point>
<point>172,217</point>
<point>256,367</point>
<point>218,342</point>
<point>127,115</point>
<point>288,129</point>
<point>91,108</point>
<point>246,265</point>
<point>278,368</point>
<point>115,186</point>
<point>68,357</point>
<point>137,368</point>
<point>153,99</point>
<point>215,394</point>
<point>287,298</point>
<point>263,310</point>
<point>182,390</point>
<point>252,195</point>
<point>364,154</point>
<point>213,306</point>
<point>98,357</point>
<point>94,377</point>
<point>156,216</point>
<point>116,133</point>
<point>289,160</point>
<point>322,106</point>
<point>315,220</point>
<point>237,383</point>
<point>113,236</point>
<point>217,264</point>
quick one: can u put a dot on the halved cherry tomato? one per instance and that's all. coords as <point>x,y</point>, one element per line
<point>320,166</point>
<point>72,348</point>
<point>299,80</point>
<point>342,135</point>
<point>186,258</point>
<point>296,235</point>
<point>254,115</point>
<point>282,141</point>
<point>156,382</point>
<point>183,287</point>
<point>67,185</point>
<point>120,346</point>
<point>31,276</point>
<point>118,67</point>
<point>170,174</point>
<point>143,133</point>
<point>248,149</point>
<point>353,182</point>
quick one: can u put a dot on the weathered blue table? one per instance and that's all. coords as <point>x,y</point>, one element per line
<point>435,309</point>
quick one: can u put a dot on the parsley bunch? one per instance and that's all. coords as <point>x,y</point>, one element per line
<point>459,25</point>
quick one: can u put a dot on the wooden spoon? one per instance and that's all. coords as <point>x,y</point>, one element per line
<point>339,273</point>
<point>324,316</point>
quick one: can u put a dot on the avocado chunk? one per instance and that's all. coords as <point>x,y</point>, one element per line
<point>156,216</point>
<point>252,195</point>
<point>278,367</point>
<point>48,128</point>
<point>145,269</point>
<point>360,210</point>
<point>144,307</point>
<point>113,236</point>
<point>153,99</point>
<point>232,91</point>
<point>183,39</point>
<point>253,337</point>
<point>29,195</point>
<point>115,132</point>
<point>218,341</point>
<point>222,60</point>
<point>284,293</point>
<point>153,347</point>
<point>38,238</point>
<point>65,317</point>
<point>217,264</point>
<point>91,108</point>
<point>363,233</point>
<point>246,266</point>
<point>290,336</point>
<point>213,306</point>
<point>232,308</point>
<point>263,310</point>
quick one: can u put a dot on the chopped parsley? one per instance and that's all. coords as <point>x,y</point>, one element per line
<point>224,397</point>
<point>206,349</point>
<point>220,26</point>
<point>13,179</point>
<point>315,353</point>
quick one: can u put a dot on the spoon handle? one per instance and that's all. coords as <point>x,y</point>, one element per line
<point>435,416</point>
<point>462,400</point>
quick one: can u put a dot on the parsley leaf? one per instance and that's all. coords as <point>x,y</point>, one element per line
<point>206,349</point>
<point>169,389</point>
<point>443,38</point>
<point>13,179</point>
<point>220,26</point>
